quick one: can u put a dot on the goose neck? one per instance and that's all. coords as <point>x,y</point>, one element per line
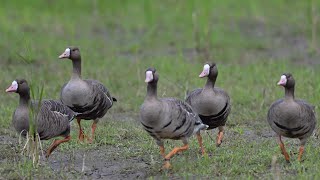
<point>76,73</point>
<point>289,93</point>
<point>210,83</point>
<point>152,91</point>
<point>24,99</point>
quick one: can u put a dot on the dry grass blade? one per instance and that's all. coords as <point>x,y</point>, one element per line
<point>314,23</point>
<point>83,162</point>
<point>275,168</point>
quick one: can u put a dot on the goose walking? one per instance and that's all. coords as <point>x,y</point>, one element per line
<point>168,118</point>
<point>88,97</point>
<point>53,118</point>
<point>211,103</point>
<point>290,117</point>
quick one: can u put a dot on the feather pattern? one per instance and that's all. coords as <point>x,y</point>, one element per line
<point>53,119</point>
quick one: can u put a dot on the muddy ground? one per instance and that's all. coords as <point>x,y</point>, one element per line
<point>96,162</point>
<point>102,162</point>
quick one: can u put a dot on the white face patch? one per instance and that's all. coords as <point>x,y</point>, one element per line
<point>206,71</point>
<point>149,76</point>
<point>14,85</point>
<point>283,80</point>
<point>206,68</point>
<point>67,52</point>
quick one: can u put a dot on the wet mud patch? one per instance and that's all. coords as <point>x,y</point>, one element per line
<point>103,162</point>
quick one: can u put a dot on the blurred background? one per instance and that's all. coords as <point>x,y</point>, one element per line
<point>120,39</point>
<point>232,31</point>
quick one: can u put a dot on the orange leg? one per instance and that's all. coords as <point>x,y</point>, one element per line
<point>56,143</point>
<point>301,150</point>
<point>219,136</point>
<point>283,150</point>
<point>172,153</point>
<point>81,134</point>
<point>162,151</point>
<point>93,128</point>
<point>200,144</point>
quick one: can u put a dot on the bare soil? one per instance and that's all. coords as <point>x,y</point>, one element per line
<point>99,163</point>
<point>103,162</point>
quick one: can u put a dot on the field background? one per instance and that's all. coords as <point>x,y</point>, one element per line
<point>252,42</point>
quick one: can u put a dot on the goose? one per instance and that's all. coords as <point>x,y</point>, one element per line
<point>211,103</point>
<point>168,118</point>
<point>290,117</point>
<point>53,117</point>
<point>88,97</point>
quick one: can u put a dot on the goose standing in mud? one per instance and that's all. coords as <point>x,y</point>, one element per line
<point>168,118</point>
<point>88,97</point>
<point>211,103</point>
<point>53,118</point>
<point>290,117</point>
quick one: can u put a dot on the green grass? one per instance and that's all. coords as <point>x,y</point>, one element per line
<point>253,43</point>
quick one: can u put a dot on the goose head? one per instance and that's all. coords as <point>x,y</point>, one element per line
<point>151,75</point>
<point>209,70</point>
<point>286,80</point>
<point>19,86</point>
<point>72,53</point>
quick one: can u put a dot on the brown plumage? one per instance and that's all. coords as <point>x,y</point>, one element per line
<point>88,97</point>
<point>290,117</point>
<point>168,118</point>
<point>211,103</point>
<point>53,118</point>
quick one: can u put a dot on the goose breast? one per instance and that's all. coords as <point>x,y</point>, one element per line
<point>20,120</point>
<point>76,93</point>
<point>208,102</point>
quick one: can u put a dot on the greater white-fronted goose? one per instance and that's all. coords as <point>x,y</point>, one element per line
<point>211,103</point>
<point>53,118</point>
<point>168,118</point>
<point>88,97</point>
<point>290,117</point>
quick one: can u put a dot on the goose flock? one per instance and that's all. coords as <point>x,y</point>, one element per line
<point>162,118</point>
